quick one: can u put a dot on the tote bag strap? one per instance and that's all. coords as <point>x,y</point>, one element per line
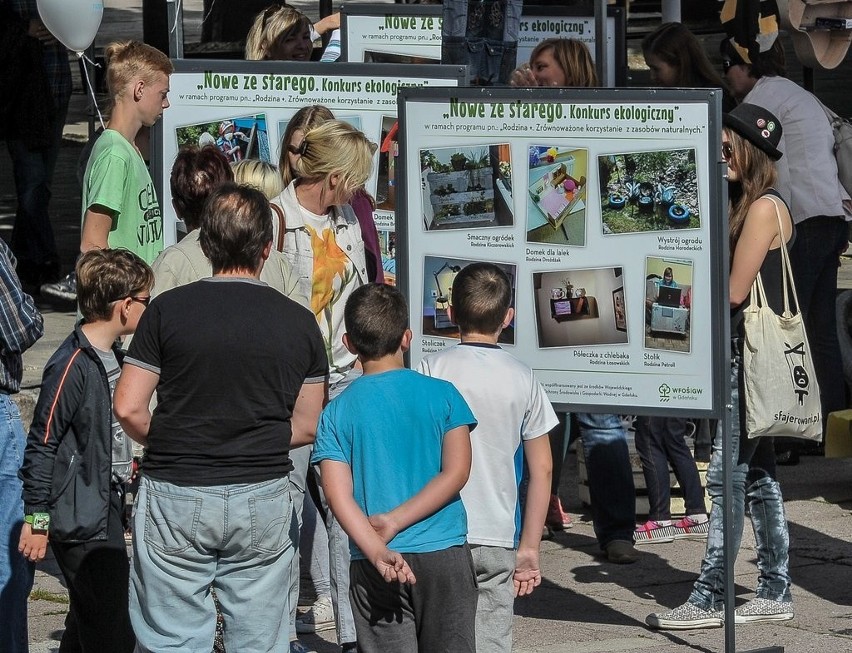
<point>786,266</point>
<point>282,225</point>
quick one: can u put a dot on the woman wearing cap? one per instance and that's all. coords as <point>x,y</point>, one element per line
<point>749,146</point>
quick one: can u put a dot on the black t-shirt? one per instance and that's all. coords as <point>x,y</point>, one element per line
<point>771,273</point>
<point>232,355</point>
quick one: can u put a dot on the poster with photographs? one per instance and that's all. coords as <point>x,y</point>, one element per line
<point>411,33</point>
<point>613,300</point>
<point>244,107</point>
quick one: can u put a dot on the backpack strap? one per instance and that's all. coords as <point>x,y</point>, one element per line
<point>282,225</point>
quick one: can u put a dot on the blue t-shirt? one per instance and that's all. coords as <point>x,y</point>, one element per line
<point>389,428</point>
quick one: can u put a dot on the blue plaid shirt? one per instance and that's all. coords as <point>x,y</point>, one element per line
<point>55,54</point>
<point>20,323</point>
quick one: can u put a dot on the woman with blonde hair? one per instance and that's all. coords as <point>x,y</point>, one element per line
<point>323,242</point>
<point>759,226</point>
<point>362,202</point>
<point>557,62</point>
<point>283,33</point>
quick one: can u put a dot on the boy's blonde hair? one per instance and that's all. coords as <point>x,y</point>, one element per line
<point>574,59</point>
<point>105,276</point>
<point>128,60</point>
<point>260,175</point>
<point>271,24</point>
<point>305,119</point>
<point>336,147</point>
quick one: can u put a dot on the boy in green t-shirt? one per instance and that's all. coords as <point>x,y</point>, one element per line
<point>120,206</point>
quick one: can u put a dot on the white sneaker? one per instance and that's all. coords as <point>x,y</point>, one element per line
<point>763,610</point>
<point>320,616</point>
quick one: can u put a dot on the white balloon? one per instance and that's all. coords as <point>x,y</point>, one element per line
<point>73,22</point>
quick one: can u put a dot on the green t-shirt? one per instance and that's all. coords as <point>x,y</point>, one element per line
<point>116,177</point>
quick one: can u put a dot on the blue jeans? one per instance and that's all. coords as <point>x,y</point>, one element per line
<point>815,257</point>
<point>16,573</point>
<point>32,237</point>
<point>234,537</point>
<point>611,489</point>
<point>300,458</point>
<point>660,441</point>
<point>753,482</point>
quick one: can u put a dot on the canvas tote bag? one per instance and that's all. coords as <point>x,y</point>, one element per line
<point>781,390</point>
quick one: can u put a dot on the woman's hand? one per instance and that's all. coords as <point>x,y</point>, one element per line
<point>523,76</point>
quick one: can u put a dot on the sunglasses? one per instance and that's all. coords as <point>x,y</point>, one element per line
<point>727,151</point>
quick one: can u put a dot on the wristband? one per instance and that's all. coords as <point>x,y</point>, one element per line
<point>40,521</point>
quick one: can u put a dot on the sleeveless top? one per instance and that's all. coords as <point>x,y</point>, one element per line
<point>770,272</point>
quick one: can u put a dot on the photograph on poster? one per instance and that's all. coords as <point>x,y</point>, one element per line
<point>668,300</point>
<point>438,275</point>
<point>619,309</point>
<point>466,187</point>
<point>371,56</point>
<point>573,308</point>
<point>648,191</point>
<point>556,197</point>
<point>238,138</point>
<point>388,150</point>
<point>387,243</point>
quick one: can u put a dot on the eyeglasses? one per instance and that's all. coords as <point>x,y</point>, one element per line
<point>142,300</point>
<point>727,151</point>
<point>726,65</point>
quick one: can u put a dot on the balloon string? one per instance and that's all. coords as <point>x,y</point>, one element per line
<point>87,61</point>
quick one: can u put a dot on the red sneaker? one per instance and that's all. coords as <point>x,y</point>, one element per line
<point>557,518</point>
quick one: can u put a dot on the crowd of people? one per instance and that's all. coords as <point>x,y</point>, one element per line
<point>265,449</point>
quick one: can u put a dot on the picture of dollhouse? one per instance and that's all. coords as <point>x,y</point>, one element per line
<point>557,193</point>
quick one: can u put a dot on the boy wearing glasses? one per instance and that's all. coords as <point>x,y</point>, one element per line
<point>78,458</point>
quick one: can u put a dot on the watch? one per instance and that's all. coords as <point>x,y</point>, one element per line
<point>40,521</point>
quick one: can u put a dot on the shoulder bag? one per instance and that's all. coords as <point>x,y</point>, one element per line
<point>781,389</point>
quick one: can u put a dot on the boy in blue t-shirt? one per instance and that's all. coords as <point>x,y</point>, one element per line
<point>394,450</point>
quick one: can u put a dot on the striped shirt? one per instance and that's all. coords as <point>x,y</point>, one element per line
<point>20,323</point>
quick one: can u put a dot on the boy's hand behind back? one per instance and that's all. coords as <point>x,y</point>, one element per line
<point>393,567</point>
<point>384,525</point>
<point>527,572</point>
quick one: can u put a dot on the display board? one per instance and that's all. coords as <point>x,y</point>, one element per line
<point>602,206</point>
<point>243,107</point>
<point>398,33</point>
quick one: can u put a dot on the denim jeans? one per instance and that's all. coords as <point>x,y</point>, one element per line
<point>300,457</point>
<point>660,441</point>
<point>32,237</point>
<point>753,482</point>
<point>611,489</point>
<point>234,537</point>
<point>815,257</point>
<point>16,572</point>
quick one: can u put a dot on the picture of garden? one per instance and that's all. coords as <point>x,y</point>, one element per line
<point>466,187</point>
<point>648,191</point>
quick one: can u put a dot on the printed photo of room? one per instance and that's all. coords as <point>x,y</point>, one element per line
<point>668,301</point>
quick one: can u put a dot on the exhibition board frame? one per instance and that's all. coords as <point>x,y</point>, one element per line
<point>413,32</point>
<point>493,207</point>
<point>258,97</point>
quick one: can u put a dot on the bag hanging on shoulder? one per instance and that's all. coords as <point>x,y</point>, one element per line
<point>842,129</point>
<point>781,389</point>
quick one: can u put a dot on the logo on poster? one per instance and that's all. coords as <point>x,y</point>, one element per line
<point>665,393</point>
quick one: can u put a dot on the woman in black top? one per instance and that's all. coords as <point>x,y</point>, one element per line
<point>749,146</point>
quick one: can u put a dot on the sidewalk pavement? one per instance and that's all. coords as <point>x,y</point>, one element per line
<point>585,604</point>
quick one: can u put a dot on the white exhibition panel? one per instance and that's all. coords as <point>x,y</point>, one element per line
<point>555,188</point>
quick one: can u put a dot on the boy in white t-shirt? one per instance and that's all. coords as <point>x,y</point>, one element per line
<point>512,409</point>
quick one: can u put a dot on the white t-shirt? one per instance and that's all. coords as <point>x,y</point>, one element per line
<point>510,406</point>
